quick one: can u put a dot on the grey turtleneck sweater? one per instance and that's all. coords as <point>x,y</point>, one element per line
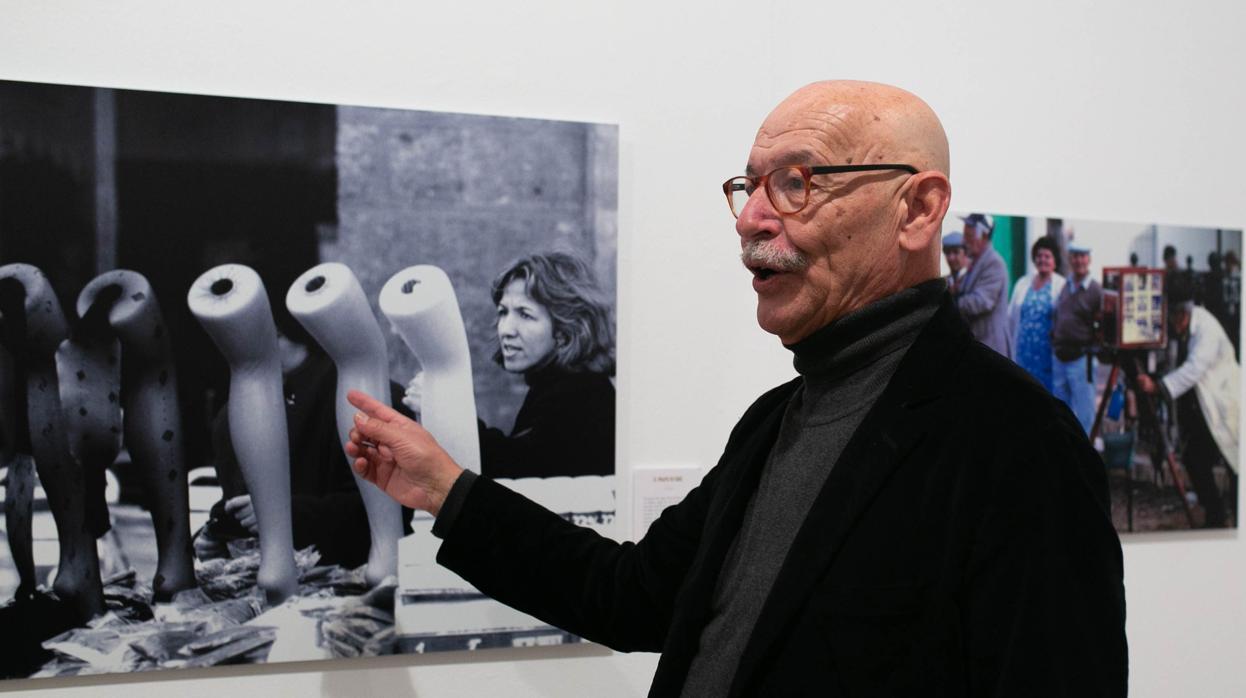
<point>845,367</point>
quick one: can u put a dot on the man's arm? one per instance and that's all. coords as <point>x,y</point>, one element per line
<point>1044,608</point>
<point>982,298</point>
<point>619,594</point>
<point>1201,358</point>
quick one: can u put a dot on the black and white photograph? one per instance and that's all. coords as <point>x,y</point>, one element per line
<point>1137,329</point>
<point>189,286</point>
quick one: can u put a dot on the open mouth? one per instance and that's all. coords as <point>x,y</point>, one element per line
<point>763,273</point>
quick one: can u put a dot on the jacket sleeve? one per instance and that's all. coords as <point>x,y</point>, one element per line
<point>618,594</point>
<point>1044,595</point>
<point>1201,358</point>
<point>982,298</point>
<point>621,595</point>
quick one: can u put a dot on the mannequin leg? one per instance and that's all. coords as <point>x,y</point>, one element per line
<point>232,305</point>
<point>328,301</point>
<point>77,578</point>
<point>19,492</point>
<point>421,303</point>
<point>153,423</point>
<point>89,368</point>
<point>20,486</point>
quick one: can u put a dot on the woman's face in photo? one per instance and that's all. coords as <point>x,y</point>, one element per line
<point>525,329</point>
<point>1044,261</point>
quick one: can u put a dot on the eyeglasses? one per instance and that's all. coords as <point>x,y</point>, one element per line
<point>788,187</point>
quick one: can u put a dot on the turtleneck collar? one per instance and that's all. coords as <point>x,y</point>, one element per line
<point>868,333</point>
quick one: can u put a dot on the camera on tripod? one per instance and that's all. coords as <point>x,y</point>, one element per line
<point>1135,308</point>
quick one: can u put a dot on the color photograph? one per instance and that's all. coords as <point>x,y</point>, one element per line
<point>1136,328</point>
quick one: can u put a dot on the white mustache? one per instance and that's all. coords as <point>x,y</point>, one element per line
<point>764,253</point>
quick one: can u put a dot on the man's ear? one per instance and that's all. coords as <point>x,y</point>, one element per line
<point>927,201</point>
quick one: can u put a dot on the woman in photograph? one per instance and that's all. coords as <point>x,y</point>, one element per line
<point>554,328</point>
<point>1030,312</point>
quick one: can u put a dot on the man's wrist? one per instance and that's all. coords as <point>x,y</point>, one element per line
<point>452,503</point>
<point>443,483</point>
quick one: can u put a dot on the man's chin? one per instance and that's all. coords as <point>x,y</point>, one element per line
<point>777,323</point>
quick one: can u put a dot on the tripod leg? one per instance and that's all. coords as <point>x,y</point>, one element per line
<point>1103,404</point>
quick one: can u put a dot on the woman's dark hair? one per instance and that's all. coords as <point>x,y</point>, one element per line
<point>565,286</point>
<point>1045,243</point>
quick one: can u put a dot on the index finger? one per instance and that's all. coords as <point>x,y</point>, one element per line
<point>372,407</point>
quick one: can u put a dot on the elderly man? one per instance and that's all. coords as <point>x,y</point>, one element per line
<point>982,297</point>
<point>859,535</point>
<point>1205,386</point>
<point>1073,338</point>
<point>957,260</point>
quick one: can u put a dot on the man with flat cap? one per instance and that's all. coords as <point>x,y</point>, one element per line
<point>982,297</point>
<point>860,536</point>
<point>1073,337</point>
<point>957,260</point>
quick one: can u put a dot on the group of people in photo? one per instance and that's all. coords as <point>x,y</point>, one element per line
<point>1049,324</point>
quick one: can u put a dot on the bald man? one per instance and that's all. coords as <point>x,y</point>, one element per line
<point>860,536</point>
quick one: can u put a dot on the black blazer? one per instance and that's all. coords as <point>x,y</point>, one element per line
<point>962,546</point>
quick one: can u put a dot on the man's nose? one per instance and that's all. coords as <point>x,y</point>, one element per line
<point>758,217</point>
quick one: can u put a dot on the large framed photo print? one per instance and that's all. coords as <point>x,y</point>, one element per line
<point>189,285</point>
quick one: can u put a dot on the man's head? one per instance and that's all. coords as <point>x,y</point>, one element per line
<point>1231,263</point>
<point>1079,261</point>
<point>977,233</point>
<point>1179,317</point>
<point>954,252</point>
<point>861,235</point>
<point>1180,308</point>
<point>1170,258</point>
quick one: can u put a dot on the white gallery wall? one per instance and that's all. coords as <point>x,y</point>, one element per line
<point>1113,111</point>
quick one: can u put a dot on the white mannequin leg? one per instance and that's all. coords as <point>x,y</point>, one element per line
<point>153,421</point>
<point>78,574</point>
<point>232,305</point>
<point>329,302</point>
<point>421,303</point>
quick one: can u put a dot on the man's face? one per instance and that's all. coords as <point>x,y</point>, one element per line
<point>955,257</point>
<point>1079,263</point>
<point>975,242</point>
<point>1170,263</point>
<point>838,253</point>
<point>1179,322</point>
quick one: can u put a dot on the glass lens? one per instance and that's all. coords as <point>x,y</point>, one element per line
<point>787,188</point>
<point>738,191</point>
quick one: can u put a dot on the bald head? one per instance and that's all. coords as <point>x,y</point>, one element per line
<point>869,121</point>
<point>863,235</point>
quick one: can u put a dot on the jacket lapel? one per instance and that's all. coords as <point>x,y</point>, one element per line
<point>888,434</point>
